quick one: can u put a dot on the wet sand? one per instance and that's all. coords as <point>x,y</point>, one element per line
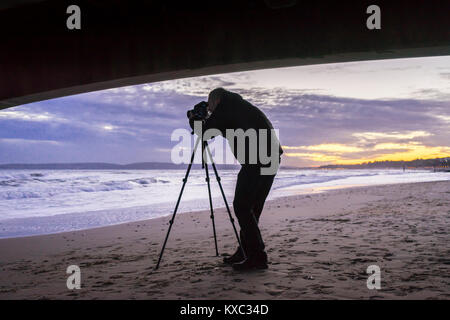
<point>319,246</point>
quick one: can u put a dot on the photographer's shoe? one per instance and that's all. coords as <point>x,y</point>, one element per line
<point>254,262</point>
<point>236,257</point>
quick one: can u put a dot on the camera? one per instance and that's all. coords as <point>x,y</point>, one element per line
<point>200,111</point>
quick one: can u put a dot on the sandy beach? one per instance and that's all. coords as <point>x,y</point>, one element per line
<point>319,247</point>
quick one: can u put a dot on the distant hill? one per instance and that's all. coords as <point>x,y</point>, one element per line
<point>418,163</point>
<point>113,166</point>
<point>106,166</point>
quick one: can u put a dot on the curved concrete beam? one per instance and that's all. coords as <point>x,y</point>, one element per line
<point>131,42</point>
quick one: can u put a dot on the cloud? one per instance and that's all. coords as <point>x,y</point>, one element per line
<point>411,152</point>
<point>135,123</point>
<point>354,154</point>
<point>390,135</point>
<point>26,115</point>
<point>328,147</point>
<point>30,141</point>
<point>444,118</point>
<point>445,75</point>
<point>431,93</point>
<point>314,128</point>
<point>108,127</point>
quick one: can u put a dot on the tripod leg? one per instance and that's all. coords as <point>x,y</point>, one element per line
<point>178,202</point>
<point>224,199</point>
<point>210,201</point>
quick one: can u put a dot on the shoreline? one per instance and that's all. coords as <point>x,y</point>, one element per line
<point>319,247</point>
<point>299,192</point>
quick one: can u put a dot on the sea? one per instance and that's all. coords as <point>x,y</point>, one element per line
<point>35,202</point>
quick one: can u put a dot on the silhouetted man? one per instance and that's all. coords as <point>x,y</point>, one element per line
<point>256,147</point>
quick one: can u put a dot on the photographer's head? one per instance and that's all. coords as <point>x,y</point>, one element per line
<point>214,98</point>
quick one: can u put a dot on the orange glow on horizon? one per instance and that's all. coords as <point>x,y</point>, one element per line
<point>341,154</point>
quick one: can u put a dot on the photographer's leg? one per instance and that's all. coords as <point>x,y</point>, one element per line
<point>244,201</point>
<point>266,182</point>
<point>250,235</point>
<point>261,195</point>
<point>241,195</point>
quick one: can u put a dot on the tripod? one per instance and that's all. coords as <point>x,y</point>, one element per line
<point>205,153</point>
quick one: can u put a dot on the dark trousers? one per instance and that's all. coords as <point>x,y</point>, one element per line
<point>251,192</point>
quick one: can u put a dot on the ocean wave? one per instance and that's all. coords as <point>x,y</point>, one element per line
<point>63,200</point>
<point>44,188</point>
<point>301,179</point>
<point>10,195</point>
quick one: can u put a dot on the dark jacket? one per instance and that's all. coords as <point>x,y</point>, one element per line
<point>233,112</point>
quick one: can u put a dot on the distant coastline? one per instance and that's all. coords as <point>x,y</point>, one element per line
<point>441,164</point>
<point>107,166</point>
<point>114,166</point>
<point>437,163</point>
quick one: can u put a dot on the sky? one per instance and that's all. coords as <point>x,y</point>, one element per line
<point>342,113</point>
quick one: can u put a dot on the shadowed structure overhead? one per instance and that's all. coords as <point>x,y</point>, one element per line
<point>131,42</point>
